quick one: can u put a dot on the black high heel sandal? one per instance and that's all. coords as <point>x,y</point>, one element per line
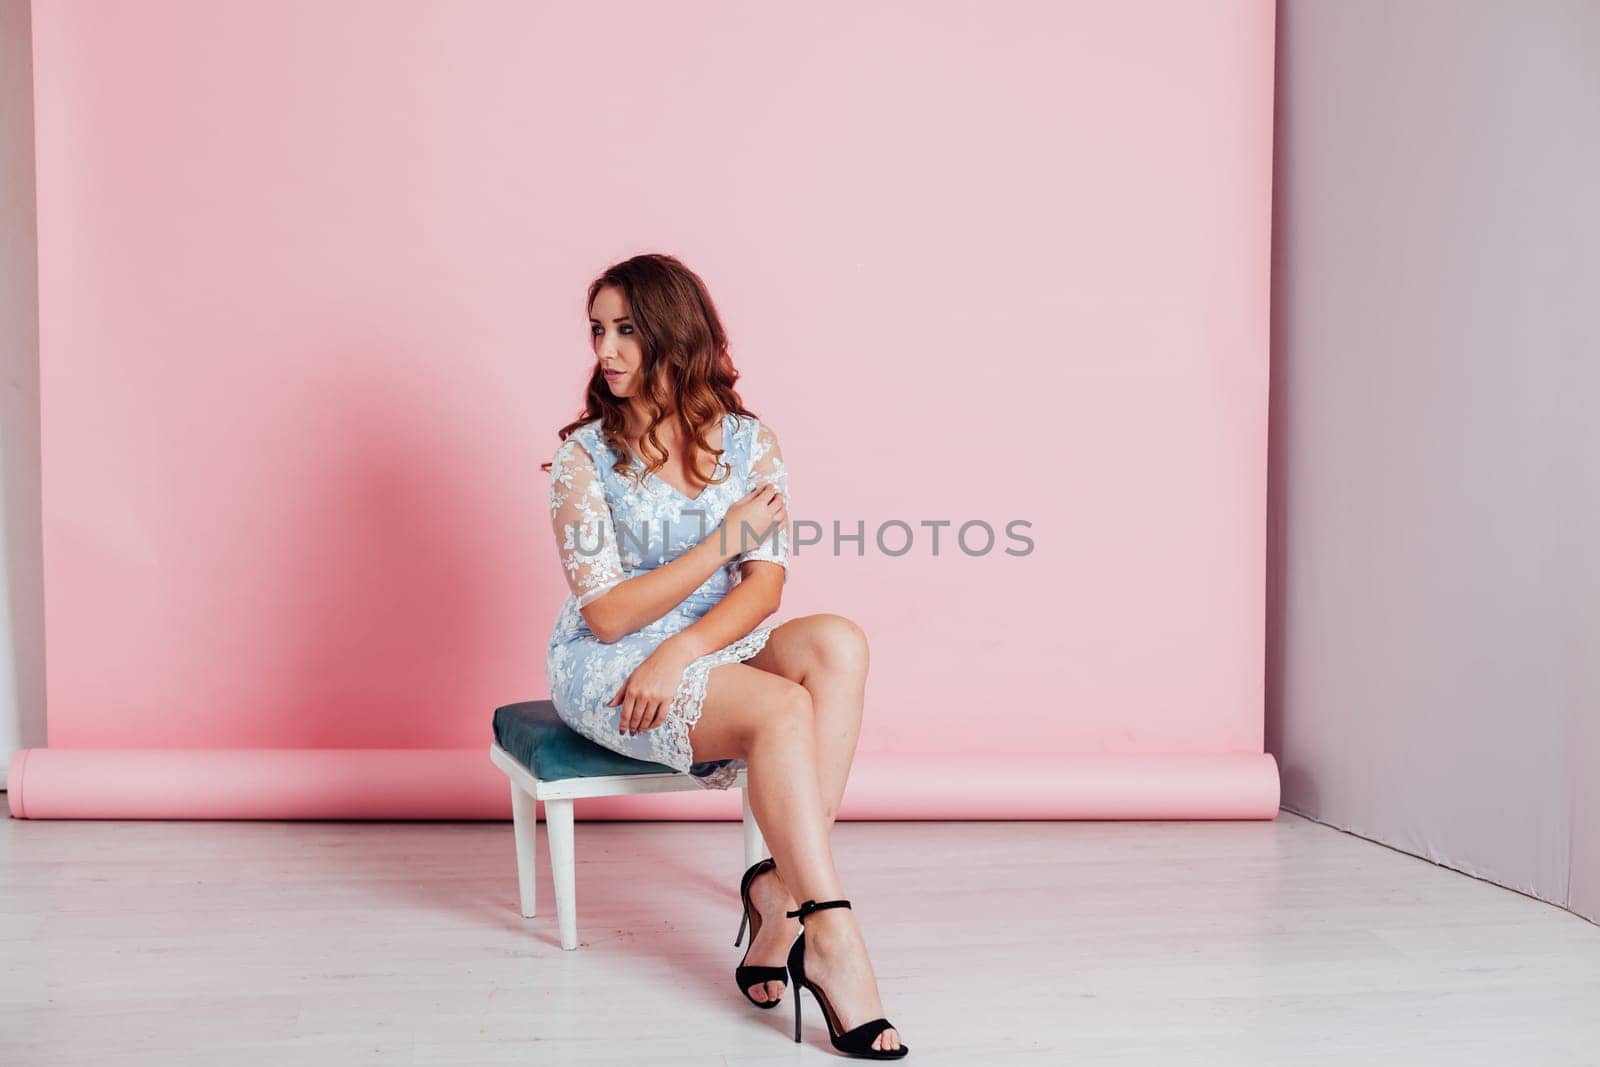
<point>856,1042</point>
<point>748,976</point>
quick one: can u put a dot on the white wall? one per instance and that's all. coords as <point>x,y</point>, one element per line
<point>22,707</point>
<point>1433,675</point>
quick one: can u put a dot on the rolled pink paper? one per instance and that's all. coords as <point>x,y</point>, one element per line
<point>463,784</point>
<point>267,783</point>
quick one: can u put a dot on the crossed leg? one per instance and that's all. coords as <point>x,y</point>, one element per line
<point>827,655</point>
<point>793,712</point>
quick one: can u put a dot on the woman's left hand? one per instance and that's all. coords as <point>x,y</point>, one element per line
<point>649,690</point>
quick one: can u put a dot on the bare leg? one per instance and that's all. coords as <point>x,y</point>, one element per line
<point>768,721</point>
<point>827,655</point>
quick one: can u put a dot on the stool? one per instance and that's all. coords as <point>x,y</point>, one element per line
<point>548,760</point>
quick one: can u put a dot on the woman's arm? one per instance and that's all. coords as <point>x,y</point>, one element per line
<point>611,603</point>
<point>649,690</point>
<point>739,611</point>
<point>646,597</point>
<point>763,569</point>
<point>648,693</point>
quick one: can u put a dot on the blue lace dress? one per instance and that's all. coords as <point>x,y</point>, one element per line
<point>588,503</point>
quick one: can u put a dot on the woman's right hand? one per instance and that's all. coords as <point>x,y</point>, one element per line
<point>760,508</point>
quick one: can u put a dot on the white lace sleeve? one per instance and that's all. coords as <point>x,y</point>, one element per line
<point>585,534</point>
<point>766,465</point>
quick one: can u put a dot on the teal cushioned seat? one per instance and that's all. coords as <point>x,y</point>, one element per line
<point>534,735</point>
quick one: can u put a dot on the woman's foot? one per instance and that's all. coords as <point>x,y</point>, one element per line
<point>836,960</point>
<point>770,946</point>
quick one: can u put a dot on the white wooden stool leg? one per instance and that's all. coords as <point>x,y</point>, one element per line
<point>524,821</point>
<point>754,845</point>
<point>563,862</point>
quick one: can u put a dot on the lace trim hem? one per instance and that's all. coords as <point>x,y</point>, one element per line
<point>687,704</point>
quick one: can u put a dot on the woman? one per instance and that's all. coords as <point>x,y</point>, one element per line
<point>661,652</point>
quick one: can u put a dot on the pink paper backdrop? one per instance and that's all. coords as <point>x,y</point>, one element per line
<point>312,282</point>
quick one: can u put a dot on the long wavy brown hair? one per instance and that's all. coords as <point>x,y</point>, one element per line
<point>686,371</point>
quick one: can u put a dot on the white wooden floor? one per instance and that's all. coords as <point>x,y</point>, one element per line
<point>1094,943</point>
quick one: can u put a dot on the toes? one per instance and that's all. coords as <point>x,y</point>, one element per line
<point>766,992</point>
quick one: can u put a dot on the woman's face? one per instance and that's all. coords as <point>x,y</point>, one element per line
<point>616,341</point>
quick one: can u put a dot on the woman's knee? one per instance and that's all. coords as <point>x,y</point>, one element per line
<point>839,642</point>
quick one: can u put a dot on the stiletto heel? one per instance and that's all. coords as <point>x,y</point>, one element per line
<point>748,976</point>
<point>855,1042</point>
<point>797,1009</point>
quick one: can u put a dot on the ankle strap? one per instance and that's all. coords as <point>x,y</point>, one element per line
<point>811,905</point>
